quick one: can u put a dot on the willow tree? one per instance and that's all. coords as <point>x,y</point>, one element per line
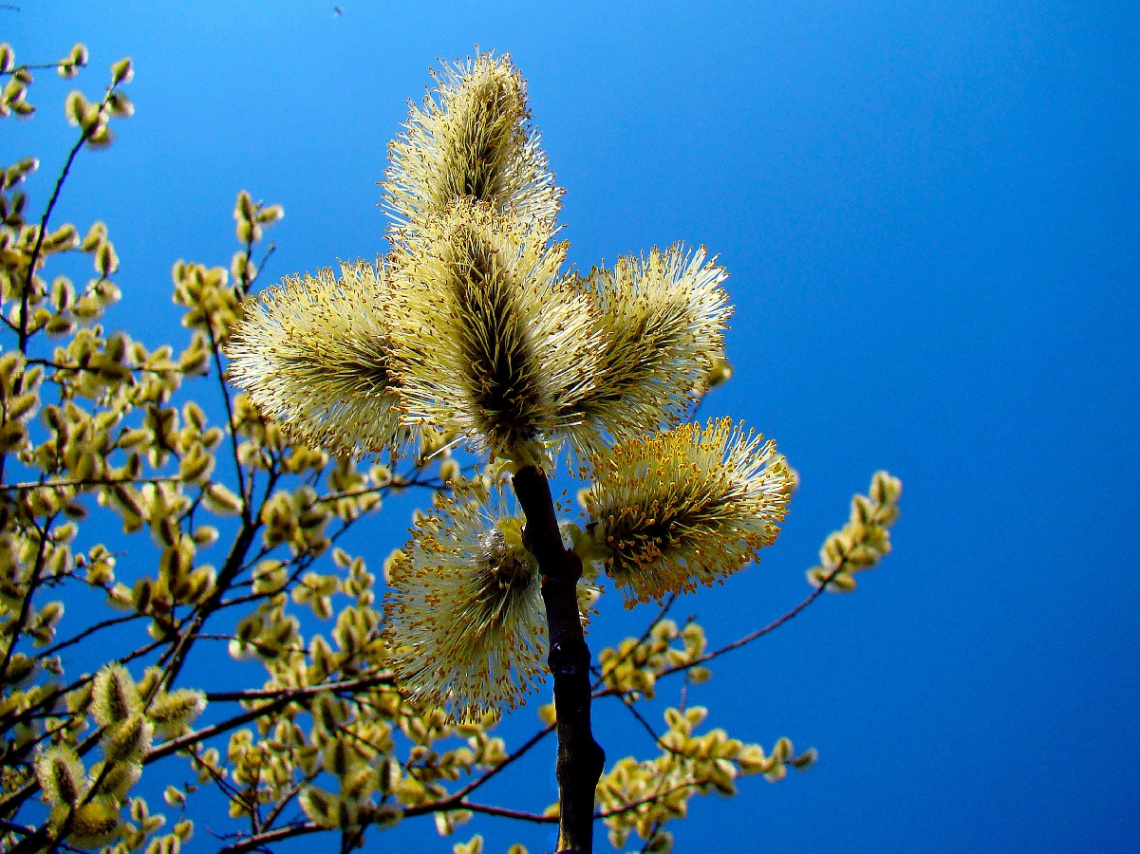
<point>469,362</point>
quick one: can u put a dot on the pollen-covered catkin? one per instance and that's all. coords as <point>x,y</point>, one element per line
<point>685,507</point>
<point>314,353</point>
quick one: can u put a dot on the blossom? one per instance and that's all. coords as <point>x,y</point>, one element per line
<point>660,323</point>
<point>471,138</point>
<point>314,353</point>
<point>465,618</point>
<point>686,506</point>
<point>487,339</point>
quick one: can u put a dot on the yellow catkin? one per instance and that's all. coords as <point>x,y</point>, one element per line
<point>661,320</point>
<point>471,137</point>
<point>314,353</point>
<point>685,507</point>
<point>465,618</point>
<point>488,341</point>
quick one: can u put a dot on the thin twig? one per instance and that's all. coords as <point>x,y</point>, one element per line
<point>30,278</point>
<point>90,630</point>
<point>358,684</point>
<point>759,633</point>
<point>644,637</point>
<point>28,486</point>
<point>648,727</point>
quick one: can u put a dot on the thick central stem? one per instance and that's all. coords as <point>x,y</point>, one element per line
<point>580,758</point>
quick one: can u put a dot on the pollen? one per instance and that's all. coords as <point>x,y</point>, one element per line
<point>685,507</point>
<point>661,321</point>
<point>490,341</point>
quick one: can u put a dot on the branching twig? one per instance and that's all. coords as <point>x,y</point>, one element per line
<point>30,278</point>
<point>180,743</point>
<point>640,718</point>
<point>28,486</point>
<point>759,633</point>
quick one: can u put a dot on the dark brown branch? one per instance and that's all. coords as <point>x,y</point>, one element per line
<point>279,702</point>
<point>33,585</point>
<point>580,758</point>
<point>76,367</point>
<point>34,842</point>
<point>90,630</point>
<point>648,727</point>
<point>294,790</point>
<point>503,812</point>
<point>12,718</point>
<point>523,749</point>
<point>180,743</point>
<point>358,684</point>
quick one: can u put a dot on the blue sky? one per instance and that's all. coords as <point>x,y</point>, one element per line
<point>931,215</point>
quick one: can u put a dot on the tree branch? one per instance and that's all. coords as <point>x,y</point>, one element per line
<point>29,280</point>
<point>503,812</point>
<point>580,758</point>
<point>260,841</point>
<point>279,701</point>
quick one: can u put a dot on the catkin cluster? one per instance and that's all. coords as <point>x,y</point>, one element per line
<point>473,327</point>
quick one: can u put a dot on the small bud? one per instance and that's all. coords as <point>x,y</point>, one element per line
<point>120,106</point>
<point>244,208</point>
<point>129,740</point>
<point>93,824</point>
<point>114,697</point>
<point>122,72</point>
<point>60,775</point>
<point>221,500</point>
<point>719,374</point>
<point>75,107</point>
<point>320,806</point>
<point>172,713</point>
<point>271,214</point>
<point>100,136</point>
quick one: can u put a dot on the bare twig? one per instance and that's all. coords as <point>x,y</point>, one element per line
<point>759,633</point>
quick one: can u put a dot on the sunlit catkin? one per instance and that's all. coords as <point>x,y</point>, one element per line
<point>661,321</point>
<point>59,772</point>
<point>114,696</point>
<point>488,341</point>
<point>471,137</point>
<point>465,618</point>
<point>685,507</point>
<point>314,353</point>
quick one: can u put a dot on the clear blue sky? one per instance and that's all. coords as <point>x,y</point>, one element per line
<point>931,214</point>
